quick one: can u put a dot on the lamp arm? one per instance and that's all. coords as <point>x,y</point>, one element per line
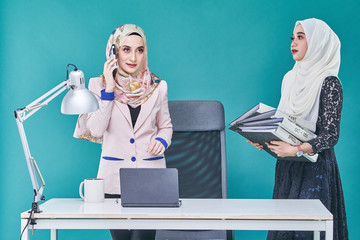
<point>30,163</point>
<point>26,112</point>
<point>21,115</point>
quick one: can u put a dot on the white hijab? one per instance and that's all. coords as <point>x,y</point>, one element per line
<point>301,86</point>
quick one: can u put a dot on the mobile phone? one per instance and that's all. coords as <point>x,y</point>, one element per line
<point>113,53</point>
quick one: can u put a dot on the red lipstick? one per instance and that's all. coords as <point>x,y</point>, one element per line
<point>131,65</point>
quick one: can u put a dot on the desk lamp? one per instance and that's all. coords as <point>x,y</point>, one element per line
<point>77,101</point>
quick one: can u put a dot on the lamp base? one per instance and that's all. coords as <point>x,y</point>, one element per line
<point>35,208</point>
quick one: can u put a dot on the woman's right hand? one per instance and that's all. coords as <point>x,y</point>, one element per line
<point>109,66</point>
<point>257,145</point>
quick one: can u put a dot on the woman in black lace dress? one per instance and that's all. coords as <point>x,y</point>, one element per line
<point>312,91</point>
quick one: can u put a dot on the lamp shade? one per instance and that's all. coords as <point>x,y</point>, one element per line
<point>78,100</point>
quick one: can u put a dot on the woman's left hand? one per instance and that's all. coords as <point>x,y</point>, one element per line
<point>156,147</point>
<point>282,149</point>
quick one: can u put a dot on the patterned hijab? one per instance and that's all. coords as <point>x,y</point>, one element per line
<point>132,89</point>
<point>301,86</point>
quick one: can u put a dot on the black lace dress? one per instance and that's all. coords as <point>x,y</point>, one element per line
<point>320,180</point>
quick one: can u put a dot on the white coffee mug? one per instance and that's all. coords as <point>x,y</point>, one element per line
<point>93,190</point>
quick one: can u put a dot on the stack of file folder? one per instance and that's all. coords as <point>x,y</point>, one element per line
<point>259,124</point>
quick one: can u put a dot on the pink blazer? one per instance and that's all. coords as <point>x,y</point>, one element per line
<point>124,146</point>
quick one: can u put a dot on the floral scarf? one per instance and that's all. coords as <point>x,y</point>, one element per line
<point>130,89</point>
<point>134,89</point>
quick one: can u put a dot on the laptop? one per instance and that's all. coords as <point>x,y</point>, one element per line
<point>149,187</point>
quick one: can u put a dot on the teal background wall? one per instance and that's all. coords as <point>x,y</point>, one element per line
<point>235,52</point>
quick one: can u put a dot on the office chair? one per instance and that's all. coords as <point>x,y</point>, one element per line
<point>198,152</point>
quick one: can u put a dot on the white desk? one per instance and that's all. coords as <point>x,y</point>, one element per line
<point>199,214</point>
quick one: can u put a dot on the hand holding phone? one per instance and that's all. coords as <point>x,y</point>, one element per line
<point>113,53</point>
<point>110,69</point>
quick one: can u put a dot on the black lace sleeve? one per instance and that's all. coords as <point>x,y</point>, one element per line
<point>328,124</point>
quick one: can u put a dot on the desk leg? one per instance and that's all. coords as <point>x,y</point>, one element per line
<point>25,235</point>
<point>316,235</point>
<point>53,234</point>
<point>329,230</point>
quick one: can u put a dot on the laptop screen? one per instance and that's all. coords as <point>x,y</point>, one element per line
<point>149,187</point>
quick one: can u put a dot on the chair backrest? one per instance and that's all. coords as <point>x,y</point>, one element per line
<point>198,152</point>
<point>198,148</point>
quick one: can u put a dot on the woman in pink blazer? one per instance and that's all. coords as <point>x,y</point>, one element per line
<point>133,122</point>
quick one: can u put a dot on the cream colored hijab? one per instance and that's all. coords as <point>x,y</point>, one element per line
<point>137,88</point>
<point>301,86</point>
